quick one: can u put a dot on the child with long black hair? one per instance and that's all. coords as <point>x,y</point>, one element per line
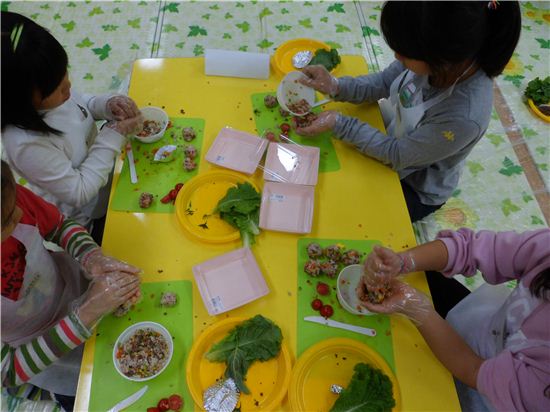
<point>49,135</point>
<point>496,340</point>
<point>438,93</point>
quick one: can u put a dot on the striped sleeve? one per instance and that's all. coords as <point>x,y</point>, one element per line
<point>74,238</point>
<point>22,363</point>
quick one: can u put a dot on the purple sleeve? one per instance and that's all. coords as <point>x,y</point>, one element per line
<point>500,256</point>
<point>515,382</point>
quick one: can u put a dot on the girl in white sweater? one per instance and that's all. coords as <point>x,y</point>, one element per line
<point>49,135</point>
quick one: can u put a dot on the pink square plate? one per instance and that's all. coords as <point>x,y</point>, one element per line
<point>229,281</point>
<point>292,163</point>
<point>287,207</point>
<point>237,150</point>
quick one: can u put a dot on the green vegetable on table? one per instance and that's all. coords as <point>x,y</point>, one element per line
<point>240,207</point>
<point>369,390</point>
<point>329,59</point>
<point>538,90</point>
<point>255,339</point>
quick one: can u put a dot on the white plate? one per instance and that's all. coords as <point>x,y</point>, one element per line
<point>229,281</point>
<point>292,163</point>
<point>128,332</point>
<point>237,150</point>
<point>287,207</point>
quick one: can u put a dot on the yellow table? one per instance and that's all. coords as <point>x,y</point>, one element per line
<point>363,200</point>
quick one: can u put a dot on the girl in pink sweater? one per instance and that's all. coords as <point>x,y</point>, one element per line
<point>497,339</point>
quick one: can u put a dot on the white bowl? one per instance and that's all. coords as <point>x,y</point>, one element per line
<point>158,115</point>
<point>347,282</point>
<point>291,91</point>
<point>157,327</point>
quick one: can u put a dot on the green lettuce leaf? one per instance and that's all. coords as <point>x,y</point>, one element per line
<point>255,339</point>
<point>240,207</point>
<point>369,390</point>
<point>329,59</point>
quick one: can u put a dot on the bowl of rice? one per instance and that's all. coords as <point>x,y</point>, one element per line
<point>155,122</point>
<point>143,351</point>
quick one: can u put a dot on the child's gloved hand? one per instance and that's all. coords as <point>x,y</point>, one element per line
<point>122,107</point>
<point>104,295</point>
<point>127,126</point>
<point>325,121</point>
<point>97,264</point>
<point>381,266</point>
<point>403,299</point>
<point>320,79</point>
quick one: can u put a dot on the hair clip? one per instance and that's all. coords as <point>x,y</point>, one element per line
<point>492,5</point>
<point>16,35</point>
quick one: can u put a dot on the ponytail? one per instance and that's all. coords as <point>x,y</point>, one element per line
<point>540,285</point>
<point>503,31</point>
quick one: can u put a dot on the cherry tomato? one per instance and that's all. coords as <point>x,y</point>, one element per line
<point>153,409</point>
<point>173,194</point>
<point>323,288</point>
<point>178,186</point>
<point>326,311</point>
<point>166,199</point>
<point>285,128</point>
<point>317,304</point>
<point>163,405</point>
<point>176,402</point>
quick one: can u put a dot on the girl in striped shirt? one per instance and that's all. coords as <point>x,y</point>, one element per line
<point>51,301</point>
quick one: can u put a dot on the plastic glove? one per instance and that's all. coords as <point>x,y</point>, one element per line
<point>97,264</point>
<point>381,266</point>
<point>403,299</point>
<point>122,107</point>
<point>324,122</point>
<point>320,79</point>
<point>105,294</point>
<point>127,126</point>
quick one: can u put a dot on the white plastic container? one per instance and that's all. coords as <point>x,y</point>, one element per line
<point>291,91</point>
<point>124,336</point>
<point>346,285</point>
<point>158,115</point>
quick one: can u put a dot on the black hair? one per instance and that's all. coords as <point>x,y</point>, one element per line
<point>7,190</point>
<point>37,63</point>
<point>443,33</point>
<point>540,285</point>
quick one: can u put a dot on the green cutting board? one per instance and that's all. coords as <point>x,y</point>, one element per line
<point>310,333</point>
<point>108,387</point>
<point>154,177</point>
<point>271,119</point>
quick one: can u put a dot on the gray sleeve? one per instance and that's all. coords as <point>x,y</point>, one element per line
<point>368,88</point>
<point>431,142</point>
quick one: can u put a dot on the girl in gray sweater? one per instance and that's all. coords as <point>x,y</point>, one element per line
<point>436,98</point>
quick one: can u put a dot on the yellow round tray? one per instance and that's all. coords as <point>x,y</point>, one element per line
<point>268,381</point>
<point>536,110</point>
<point>282,59</point>
<point>198,198</point>
<point>331,362</point>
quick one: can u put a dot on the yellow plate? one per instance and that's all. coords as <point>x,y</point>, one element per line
<point>198,198</point>
<point>268,381</point>
<point>331,362</point>
<point>535,109</point>
<point>282,59</point>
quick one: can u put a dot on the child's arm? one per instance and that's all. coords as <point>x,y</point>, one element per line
<point>368,88</point>
<point>22,363</point>
<point>424,146</point>
<point>500,256</point>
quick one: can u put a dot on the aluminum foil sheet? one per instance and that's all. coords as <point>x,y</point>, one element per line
<point>221,397</point>
<point>302,59</point>
<point>336,389</point>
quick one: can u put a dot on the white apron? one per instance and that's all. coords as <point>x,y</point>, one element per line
<point>51,282</point>
<point>400,112</point>
<point>489,320</point>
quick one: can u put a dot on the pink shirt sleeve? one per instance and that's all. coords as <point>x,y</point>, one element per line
<point>516,381</point>
<point>500,256</point>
